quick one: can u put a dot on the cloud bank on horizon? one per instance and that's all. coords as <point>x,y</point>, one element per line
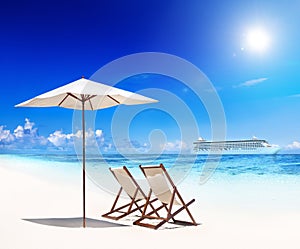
<point>26,138</point>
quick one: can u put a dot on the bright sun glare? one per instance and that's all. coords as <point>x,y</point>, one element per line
<point>258,40</point>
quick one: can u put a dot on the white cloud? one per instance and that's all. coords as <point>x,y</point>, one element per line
<point>177,146</point>
<point>19,132</point>
<point>23,137</point>
<point>28,125</point>
<point>59,139</point>
<point>252,82</point>
<point>62,140</point>
<point>293,146</point>
<point>127,146</point>
<point>99,136</point>
<point>98,133</point>
<point>26,131</point>
<point>94,138</point>
<point>5,136</point>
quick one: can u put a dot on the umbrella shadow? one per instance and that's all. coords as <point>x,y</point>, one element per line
<point>75,222</point>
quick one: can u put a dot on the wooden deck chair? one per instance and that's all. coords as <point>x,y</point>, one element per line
<point>162,186</point>
<point>132,189</point>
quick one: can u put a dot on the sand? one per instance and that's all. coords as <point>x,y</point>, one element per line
<point>42,211</point>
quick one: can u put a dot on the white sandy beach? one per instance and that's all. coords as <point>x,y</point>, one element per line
<point>229,218</point>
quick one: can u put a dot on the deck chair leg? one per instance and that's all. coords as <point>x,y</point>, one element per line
<point>186,205</point>
<point>147,202</point>
<point>132,200</point>
<point>192,218</point>
<point>117,198</point>
<point>140,208</point>
<point>168,212</point>
<point>129,205</point>
<point>160,224</point>
<point>112,210</point>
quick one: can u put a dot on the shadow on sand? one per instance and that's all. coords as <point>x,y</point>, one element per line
<point>75,222</point>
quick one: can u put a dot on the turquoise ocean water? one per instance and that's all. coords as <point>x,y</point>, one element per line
<point>181,166</point>
<point>272,165</point>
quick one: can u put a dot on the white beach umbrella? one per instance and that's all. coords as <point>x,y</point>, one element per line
<point>84,94</point>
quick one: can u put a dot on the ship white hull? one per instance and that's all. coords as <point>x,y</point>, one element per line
<point>254,151</point>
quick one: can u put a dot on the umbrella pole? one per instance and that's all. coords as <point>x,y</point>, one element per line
<point>83,162</point>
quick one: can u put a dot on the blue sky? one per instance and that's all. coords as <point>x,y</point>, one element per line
<point>47,44</point>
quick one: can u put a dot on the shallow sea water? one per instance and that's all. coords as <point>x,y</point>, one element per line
<point>181,167</point>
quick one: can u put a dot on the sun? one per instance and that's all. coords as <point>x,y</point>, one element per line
<point>258,40</point>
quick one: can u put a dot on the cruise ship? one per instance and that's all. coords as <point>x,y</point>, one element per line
<point>235,147</point>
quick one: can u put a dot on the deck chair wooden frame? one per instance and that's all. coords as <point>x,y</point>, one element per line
<point>132,189</point>
<point>169,198</point>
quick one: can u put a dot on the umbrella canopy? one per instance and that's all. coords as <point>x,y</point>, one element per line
<point>96,96</point>
<point>84,94</point>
